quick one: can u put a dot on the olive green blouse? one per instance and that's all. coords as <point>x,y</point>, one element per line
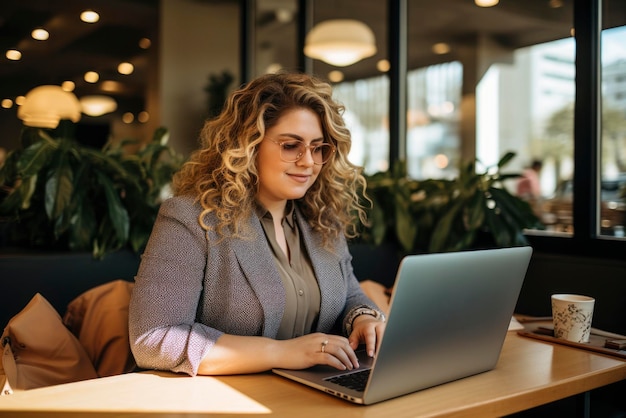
<point>301,288</point>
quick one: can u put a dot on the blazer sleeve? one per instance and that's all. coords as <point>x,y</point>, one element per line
<point>356,297</point>
<point>163,330</point>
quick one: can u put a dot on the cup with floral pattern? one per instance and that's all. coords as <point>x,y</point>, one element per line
<point>572,315</point>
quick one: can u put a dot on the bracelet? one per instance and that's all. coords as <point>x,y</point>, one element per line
<point>362,310</point>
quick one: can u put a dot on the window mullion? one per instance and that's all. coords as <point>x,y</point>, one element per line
<point>587,119</point>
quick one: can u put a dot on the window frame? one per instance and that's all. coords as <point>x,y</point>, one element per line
<point>586,240</point>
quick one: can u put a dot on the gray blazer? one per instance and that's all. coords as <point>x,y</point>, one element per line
<point>191,288</point>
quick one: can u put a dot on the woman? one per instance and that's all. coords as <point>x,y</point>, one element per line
<point>247,267</point>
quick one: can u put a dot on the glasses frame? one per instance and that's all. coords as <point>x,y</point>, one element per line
<point>310,147</point>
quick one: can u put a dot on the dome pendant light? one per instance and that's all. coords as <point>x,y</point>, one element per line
<point>45,106</point>
<point>340,42</point>
<point>97,105</point>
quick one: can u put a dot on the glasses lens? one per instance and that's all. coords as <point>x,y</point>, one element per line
<point>292,151</point>
<point>321,153</point>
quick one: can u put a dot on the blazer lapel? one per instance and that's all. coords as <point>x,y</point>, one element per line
<point>257,262</point>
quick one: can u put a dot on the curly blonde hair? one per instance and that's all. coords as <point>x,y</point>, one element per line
<point>222,174</point>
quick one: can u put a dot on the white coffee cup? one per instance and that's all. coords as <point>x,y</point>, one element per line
<point>571,316</point>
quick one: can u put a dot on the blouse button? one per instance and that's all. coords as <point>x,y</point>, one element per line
<point>300,292</point>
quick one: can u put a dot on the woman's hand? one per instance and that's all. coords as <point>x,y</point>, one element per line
<point>235,354</point>
<point>318,348</point>
<point>369,330</point>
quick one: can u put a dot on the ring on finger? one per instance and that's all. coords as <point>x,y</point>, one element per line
<point>324,344</point>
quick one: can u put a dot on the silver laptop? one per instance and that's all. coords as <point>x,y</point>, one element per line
<point>448,318</point>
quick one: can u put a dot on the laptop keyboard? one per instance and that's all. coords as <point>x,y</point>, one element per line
<point>355,381</point>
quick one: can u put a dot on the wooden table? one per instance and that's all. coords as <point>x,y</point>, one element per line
<point>530,373</point>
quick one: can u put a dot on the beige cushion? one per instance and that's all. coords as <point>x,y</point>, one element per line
<point>99,318</point>
<point>38,350</point>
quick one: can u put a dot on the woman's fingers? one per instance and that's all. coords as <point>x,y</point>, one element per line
<point>317,349</point>
<point>369,331</point>
<point>337,352</point>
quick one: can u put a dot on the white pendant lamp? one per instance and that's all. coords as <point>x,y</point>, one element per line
<point>45,106</point>
<point>97,105</point>
<point>340,42</point>
<point>486,3</point>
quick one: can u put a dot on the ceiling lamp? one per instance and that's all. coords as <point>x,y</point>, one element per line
<point>383,65</point>
<point>40,34</point>
<point>125,68</point>
<point>486,3</point>
<point>13,55</point>
<point>89,16</point>
<point>340,42</point>
<point>91,77</point>
<point>441,48</point>
<point>336,76</point>
<point>45,106</point>
<point>97,105</point>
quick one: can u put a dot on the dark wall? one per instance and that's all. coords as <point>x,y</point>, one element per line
<point>58,277</point>
<point>375,263</point>
<point>604,279</point>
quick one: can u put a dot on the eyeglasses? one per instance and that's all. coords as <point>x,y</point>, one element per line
<point>293,150</point>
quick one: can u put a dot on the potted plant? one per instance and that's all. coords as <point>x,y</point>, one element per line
<point>474,210</point>
<point>56,194</point>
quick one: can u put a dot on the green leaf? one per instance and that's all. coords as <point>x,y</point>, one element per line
<point>59,188</point>
<point>161,135</point>
<point>19,198</point>
<point>504,177</point>
<point>140,232</point>
<point>117,214</point>
<point>498,229</point>
<point>379,224</point>
<point>33,158</point>
<point>13,202</point>
<point>518,211</point>
<point>476,212</point>
<point>443,231</point>
<point>406,228</point>
<point>83,225</point>
<point>107,164</point>
<point>106,240</point>
<point>506,159</point>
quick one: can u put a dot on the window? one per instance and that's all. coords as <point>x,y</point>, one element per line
<point>433,115</point>
<point>367,109</point>
<point>433,112</point>
<point>484,81</point>
<point>613,150</point>
<point>540,127</point>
